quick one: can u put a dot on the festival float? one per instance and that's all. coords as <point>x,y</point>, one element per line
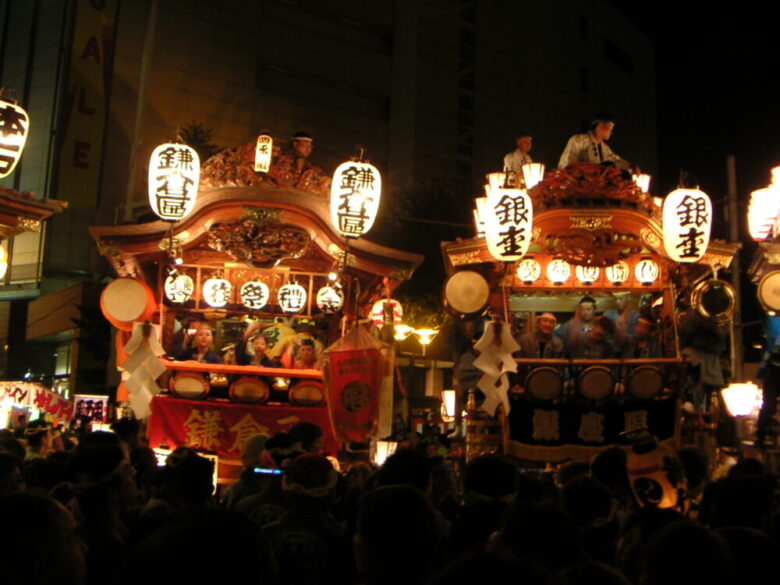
<point>260,241</point>
<point>593,235</point>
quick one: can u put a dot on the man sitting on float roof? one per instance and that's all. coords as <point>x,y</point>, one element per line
<point>592,146</point>
<point>542,343</point>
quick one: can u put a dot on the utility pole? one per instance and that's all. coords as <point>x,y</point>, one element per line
<point>734,219</point>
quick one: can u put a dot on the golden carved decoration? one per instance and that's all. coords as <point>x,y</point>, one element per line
<point>593,248</point>
<point>28,224</point>
<point>650,238</point>
<point>261,214</point>
<point>258,244</point>
<point>471,257</point>
<point>590,223</point>
<point>335,252</point>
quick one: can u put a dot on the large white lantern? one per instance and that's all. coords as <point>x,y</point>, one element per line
<point>687,223</point>
<point>14,126</point>
<point>646,271</point>
<point>558,271</point>
<point>254,295</point>
<point>508,218</point>
<point>354,198</point>
<point>532,174</point>
<point>330,299</point>
<point>529,271</point>
<point>292,297</point>
<point>179,288</point>
<point>263,151</point>
<point>618,273</point>
<point>217,291</point>
<point>480,204</point>
<point>587,274</point>
<point>174,173</point>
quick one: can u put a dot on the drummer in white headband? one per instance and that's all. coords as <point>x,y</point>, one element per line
<point>542,343</point>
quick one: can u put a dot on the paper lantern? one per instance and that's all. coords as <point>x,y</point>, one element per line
<point>14,126</point>
<point>354,198</point>
<point>383,450</point>
<point>174,172</point>
<point>742,399</point>
<point>385,309</point>
<point>642,181</point>
<point>254,295</point>
<point>330,299</point>
<point>687,222</point>
<point>532,174</point>
<point>3,261</point>
<point>292,297</point>
<point>618,273</point>
<point>179,288</point>
<point>646,271</point>
<point>217,291</point>
<point>263,151</point>
<point>508,221</point>
<point>479,214</point>
<point>587,274</point>
<point>763,211</point>
<point>529,270</point>
<point>558,271</point>
<point>448,410</point>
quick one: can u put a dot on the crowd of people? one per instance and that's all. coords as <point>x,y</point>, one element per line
<point>100,510</point>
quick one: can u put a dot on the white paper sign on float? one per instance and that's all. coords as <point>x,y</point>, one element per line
<point>508,222</point>
<point>687,224</point>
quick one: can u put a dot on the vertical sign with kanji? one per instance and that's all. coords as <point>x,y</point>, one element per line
<point>14,125</point>
<point>174,172</point>
<point>508,223</point>
<point>263,150</point>
<point>354,198</point>
<point>687,223</point>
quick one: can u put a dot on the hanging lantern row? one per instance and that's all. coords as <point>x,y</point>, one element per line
<point>354,198</point>
<point>764,209</point>
<point>254,294</point>
<point>559,271</point>
<point>508,219</point>
<point>14,127</point>
<point>687,221</point>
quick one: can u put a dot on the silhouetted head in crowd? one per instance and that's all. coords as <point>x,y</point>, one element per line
<point>397,539</point>
<point>493,568</point>
<point>310,479</point>
<point>282,448</point>
<point>38,545</point>
<point>308,435</point>
<point>569,470</point>
<point>685,552</point>
<point>543,534</point>
<point>213,546</point>
<point>11,480</point>
<point>490,476</point>
<point>593,508</point>
<point>253,448</point>
<point>103,476</point>
<point>187,480</point>
<point>756,555</point>
<point>638,529</point>
<point>592,573</point>
<point>406,467</point>
<point>609,467</point>
<point>127,429</point>
<point>41,475</point>
<point>10,444</point>
<point>742,500</point>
